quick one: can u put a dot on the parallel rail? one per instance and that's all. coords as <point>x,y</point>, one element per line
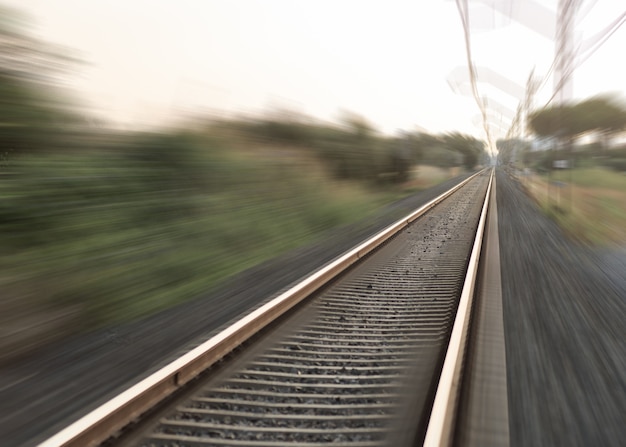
<point>440,427</point>
<point>98,425</point>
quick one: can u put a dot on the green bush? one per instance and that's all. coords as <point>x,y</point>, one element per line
<point>617,164</point>
<point>122,233</point>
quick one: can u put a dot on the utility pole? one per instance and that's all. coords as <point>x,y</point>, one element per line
<point>564,51</point>
<point>563,80</point>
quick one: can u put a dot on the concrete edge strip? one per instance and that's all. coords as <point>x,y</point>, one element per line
<point>483,417</point>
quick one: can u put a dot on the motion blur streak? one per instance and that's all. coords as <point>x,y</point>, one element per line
<point>117,243</point>
<point>102,226</point>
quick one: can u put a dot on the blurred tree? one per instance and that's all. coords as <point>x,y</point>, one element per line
<point>511,150</point>
<point>600,114</point>
<point>356,124</point>
<point>32,116</point>
<point>402,155</point>
<point>545,122</point>
<point>469,147</point>
<point>432,150</point>
<point>351,150</point>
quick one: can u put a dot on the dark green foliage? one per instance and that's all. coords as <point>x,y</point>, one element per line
<point>293,133</point>
<point>29,121</point>
<point>34,116</point>
<point>617,164</point>
<point>601,114</point>
<point>349,156</point>
<point>441,157</point>
<point>356,151</point>
<point>513,149</point>
<point>156,221</point>
<point>352,151</point>
<point>579,156</point>
<point>470,148</point>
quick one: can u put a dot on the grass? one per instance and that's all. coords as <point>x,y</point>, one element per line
<point>593,177</point>
<point>591,208</point>
<point>425,176</point>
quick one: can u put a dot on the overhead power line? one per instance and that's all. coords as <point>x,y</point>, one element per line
<point>462,6</point>
<point>599,40</point>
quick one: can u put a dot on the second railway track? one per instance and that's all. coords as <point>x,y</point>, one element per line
<point>357,364</point>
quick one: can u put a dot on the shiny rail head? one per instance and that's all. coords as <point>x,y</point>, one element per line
<point>440,429</point>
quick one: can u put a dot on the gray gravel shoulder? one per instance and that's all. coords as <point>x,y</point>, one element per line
<point>564,316</point>
<point>45,392</point>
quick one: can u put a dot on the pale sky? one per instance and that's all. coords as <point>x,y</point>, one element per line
<point>149,61</point>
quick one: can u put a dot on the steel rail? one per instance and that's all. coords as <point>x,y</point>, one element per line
<point>440,428</point>
<point>106,420</point>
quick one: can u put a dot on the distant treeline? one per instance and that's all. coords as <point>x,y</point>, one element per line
<point>353,149</point>
<point>580,155</point>
<point>600,119</point>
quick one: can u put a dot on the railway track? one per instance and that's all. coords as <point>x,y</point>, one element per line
<point>367,351</point>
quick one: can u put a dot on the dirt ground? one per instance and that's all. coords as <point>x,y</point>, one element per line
<point>589,214</point>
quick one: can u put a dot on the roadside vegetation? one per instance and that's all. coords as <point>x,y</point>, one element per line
<point>113,232</point>
<point>588,203</point>
<point>581,186</point>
